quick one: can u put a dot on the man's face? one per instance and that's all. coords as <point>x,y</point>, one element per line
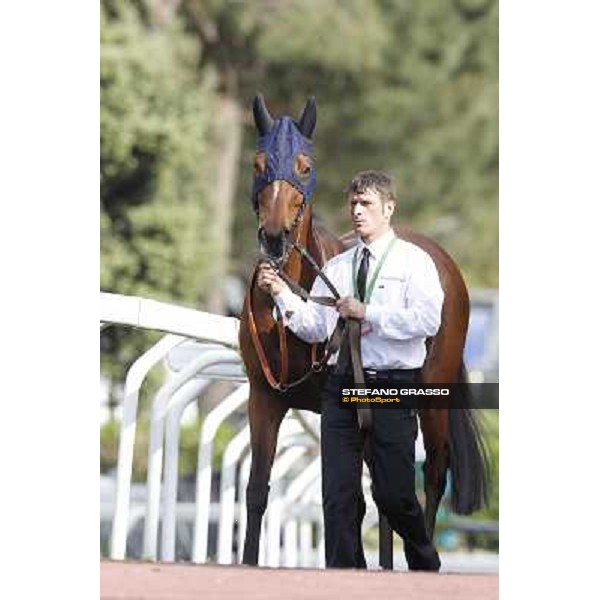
<point>370,216</point>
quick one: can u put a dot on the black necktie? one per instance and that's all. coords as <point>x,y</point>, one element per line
<point>361,278</point>
<point>344,365</point>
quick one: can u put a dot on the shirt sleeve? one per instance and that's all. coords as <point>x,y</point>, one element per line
<point>422,315</point>
<point>308,320</point>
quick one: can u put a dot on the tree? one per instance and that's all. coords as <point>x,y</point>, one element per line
<point>155,139</point>
<point>408,87</point>
<point>411,88</point>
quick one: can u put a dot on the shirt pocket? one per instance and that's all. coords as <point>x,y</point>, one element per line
<point>391,289</point>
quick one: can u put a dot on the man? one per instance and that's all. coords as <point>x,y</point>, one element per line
<point>392,287</point>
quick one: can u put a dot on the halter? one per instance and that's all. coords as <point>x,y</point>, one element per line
<point>333,342</point>
<point>279,263</point>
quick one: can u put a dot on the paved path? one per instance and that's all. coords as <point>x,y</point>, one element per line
<point>155,581</point>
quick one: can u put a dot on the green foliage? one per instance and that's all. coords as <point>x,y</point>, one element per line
<point>154,141</point>
<point>109,439</point>
<point>154,136</point>
<point>301,32</point>
<point>491,428</point>
<point>411,88</point>
<point>408,87</point>
<point>188,447</point>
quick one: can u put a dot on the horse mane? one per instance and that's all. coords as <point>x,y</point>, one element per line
<point>327,243</point>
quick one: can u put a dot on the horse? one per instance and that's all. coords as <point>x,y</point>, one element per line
<point>284,179</point>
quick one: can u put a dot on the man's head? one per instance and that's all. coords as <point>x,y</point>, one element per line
<point>371,200</point>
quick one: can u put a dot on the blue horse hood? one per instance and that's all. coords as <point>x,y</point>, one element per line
<point>282,145</point>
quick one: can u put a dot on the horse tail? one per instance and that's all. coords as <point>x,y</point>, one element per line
<point>468,457</point>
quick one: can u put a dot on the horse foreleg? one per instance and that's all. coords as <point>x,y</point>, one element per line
<point>434,425</point>
<point>266,411</point>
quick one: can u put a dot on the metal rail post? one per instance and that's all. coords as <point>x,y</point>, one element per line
<point>133,382</point>
<point>211,425</point>
<point>155,445</point>
<point>182,398</point>
<point>233,453</point>
<point>274,512</point>
<point>175,410</point>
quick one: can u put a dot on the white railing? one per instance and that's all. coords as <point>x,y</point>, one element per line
<point>133,382</point>
<point>199,346</point>
<point>160,316</point>
<point>160,406</point>
<point>180,324</point>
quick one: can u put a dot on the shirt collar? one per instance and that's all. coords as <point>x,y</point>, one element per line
<point>377,247</point>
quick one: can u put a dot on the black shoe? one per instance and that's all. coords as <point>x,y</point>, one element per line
<point>428,560</point>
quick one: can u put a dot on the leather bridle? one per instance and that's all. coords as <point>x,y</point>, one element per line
<point>344,327</point>
<point>332,343</point>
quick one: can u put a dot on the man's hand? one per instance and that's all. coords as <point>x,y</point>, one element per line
<point>351,307</point>
<point>268,281</point>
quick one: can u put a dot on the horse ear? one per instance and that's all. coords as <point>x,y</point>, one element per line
<point>262,118</point>
<point>308,120</point>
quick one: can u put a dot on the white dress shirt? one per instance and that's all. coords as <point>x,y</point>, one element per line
<point>404,309</point>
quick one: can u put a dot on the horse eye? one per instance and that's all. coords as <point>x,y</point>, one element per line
<point>304,170</point>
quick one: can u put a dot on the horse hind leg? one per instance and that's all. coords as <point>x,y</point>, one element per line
<point>434,424</point>
<point>266,412</point>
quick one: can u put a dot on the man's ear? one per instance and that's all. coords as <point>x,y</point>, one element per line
<point>388,208</point>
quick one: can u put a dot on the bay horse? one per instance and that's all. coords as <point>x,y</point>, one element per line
<point>284,179</point>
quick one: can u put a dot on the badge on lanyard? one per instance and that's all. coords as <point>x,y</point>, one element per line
<point>366,328</point>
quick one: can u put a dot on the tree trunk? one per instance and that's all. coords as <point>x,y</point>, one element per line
<point>228,127</point>
<point>162,12</point>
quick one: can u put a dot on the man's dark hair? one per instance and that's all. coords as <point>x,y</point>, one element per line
<point>373,180</point>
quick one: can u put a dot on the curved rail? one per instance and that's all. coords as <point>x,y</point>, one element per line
<point>133,382</point>
<point>156,442</point>
<point>151,314</point>
<point>218,337</point>
<point>211,424</point>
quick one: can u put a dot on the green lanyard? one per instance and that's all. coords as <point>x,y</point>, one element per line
<point>369,290</point>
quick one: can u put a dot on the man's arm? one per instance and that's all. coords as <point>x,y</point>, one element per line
<point>307,320</point>
<point>422,316</point>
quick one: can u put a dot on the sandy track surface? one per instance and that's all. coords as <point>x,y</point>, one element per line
<point>155,581</point>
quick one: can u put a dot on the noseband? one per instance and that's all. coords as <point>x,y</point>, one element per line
<point>279,263</point>
<point>333,342</point>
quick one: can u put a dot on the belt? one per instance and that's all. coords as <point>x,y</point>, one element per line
<point>380,373</point>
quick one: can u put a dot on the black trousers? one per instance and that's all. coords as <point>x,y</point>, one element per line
<point>393,480</point>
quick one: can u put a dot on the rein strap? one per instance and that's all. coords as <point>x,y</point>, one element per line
<point>349,328</point>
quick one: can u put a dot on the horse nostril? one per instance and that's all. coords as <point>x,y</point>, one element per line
<point>271,245</point>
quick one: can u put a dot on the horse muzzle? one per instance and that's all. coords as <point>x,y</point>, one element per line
<point>272,246</point>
